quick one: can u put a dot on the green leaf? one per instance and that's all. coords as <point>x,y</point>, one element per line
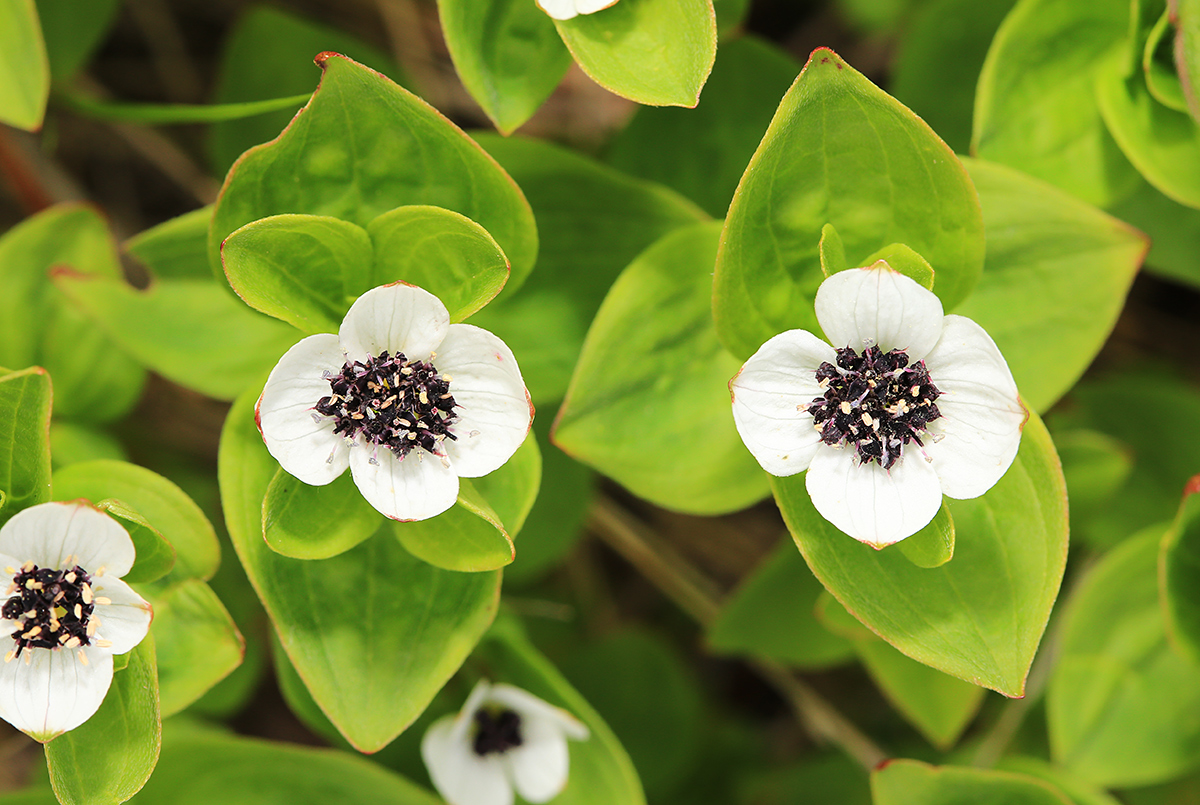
<point>1120,704</point>
<point>1180,573</point>
<point>198,644</point>
<point>601,771</point>
<point>1078,791</point>
<point>911,782</point>
<point>316,522</point>
<point>507,53</point>
<point>24,68</point>
<point>1010,553</point>
<point>1164,144</point>
<point>93,381</point>
<point>656,52</point>
<point>174,113</point>
<point>270,54</point>
<point>396,628</point>
<point>447,254</point>
<point>831,251</point>
<point>24,439</point>
<point>298,268</point>
<point>1054,280</point>
<point>155,556</point>
<point>904,260</point>
<point>109,757</point>
<point>363,146</point>
<point>192,332</point>
<point>71,443</point>
<point>73,32</point>
<point>1173,230</point>
<point>1035,109</point>
<point>1187,51</point>
<point>731,16</point>
<point>661,426</point>
<point>839,151</point>
<point>1095,466</point>
<point>1158,64</point>
<point>177,248</point>
<point>163,504</point>
<point>477,534</point>
<point>702,152</point>
<point>933,545</point>
<point>941,52</point>
<point>772,614</point>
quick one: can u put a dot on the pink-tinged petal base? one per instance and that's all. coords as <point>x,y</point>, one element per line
<point>871,504</point>
<point>461,776</point>
<point>975,441</point>
<point>55,691</point>
<point>305,447</point>
<point>396,318</point>
<point>416,488</point>
<point>864,306</point>
<point>769,396</point>
<point>50,533</point>
<point>123,622</point>
<point>493,405</point>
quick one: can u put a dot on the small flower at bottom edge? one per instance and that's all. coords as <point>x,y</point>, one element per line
<point>568,9</point>
<point>406,400</point>
<point>67,612</point>
<point>910,405</point>
<point>503,739</point>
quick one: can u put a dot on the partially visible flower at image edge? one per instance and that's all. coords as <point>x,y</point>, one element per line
<point>567,9</point>
<point>67,612</point>
<point>404,399</point>
<point>504,738</point>
<point>912,404</point>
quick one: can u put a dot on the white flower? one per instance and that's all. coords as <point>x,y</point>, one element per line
<point>566,9</point>
<point>371,398</point>
<point>67,613</point>
<point>910,406</point>
<point>503,738</point>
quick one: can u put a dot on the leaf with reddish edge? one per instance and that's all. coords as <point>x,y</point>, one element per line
<point>911,782</point>
<point>362,146</point>
<point>1179,574</point>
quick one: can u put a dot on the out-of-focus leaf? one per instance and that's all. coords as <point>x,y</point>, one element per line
<point>73,31</point>
<point>198,644</point>
<point>24,68</point>
<point>911,782</point>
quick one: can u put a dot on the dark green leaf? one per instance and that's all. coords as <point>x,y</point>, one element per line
<point>1095,466</point>
<point>839,151</point>
<point>110,756</point>
<point>1181,572</point>
<point>24,439</point>
<point>73,31</point>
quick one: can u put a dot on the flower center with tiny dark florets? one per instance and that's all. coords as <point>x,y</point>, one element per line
<point>874,401</point>
<point>392,402</point>
<point>52,608</point>
<point>496,731</point>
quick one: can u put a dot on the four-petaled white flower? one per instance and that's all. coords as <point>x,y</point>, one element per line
<point>371,399</point>
<point>910,406</point>
<point>67,613</point>
<point>503,738</point>
<point>566,9</point>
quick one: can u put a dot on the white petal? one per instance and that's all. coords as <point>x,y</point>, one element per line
<point>865,306</point>
<point>768,397</point>
<point>531,708</point>
<point>397,317</point>
<point>592,6</point>
<point>305,447</point>
<point>49,533</point>
<point>461,776</point>
<point>871,504</point>
<point>493,405</point>
<point>539,765</point>
<point>558,9</point>
<point>982,414</point>
<point>126,620</point>
<point>55,692</point>
<point>417,488</point>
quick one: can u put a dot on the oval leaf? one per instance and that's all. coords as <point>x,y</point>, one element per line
<point>933,545</point>
<point>1181,572</point>
<point>24,439</point>
<point>840,151</point>
<point>24,67</point>
<point>362,146</point>
<point>175,249</point>
<point>990,637</point>
<point>316,522</point>
<point>911,782</point>
<point>656,52</point>
<point>395,628</point>
<point>155,556</point>
<point>653,378</point>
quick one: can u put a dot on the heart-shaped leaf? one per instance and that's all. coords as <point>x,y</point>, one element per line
<point>24,439</point>
<point>362,146</point>
<point>395,628</point>
<point>839,151</point>
<point>1010,553</point>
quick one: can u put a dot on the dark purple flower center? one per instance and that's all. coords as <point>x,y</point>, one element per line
<point>392,402</point>
<point>52,608</point>
<point>496,731</point>
<point>875,401</point>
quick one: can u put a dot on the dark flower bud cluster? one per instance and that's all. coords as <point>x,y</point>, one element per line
<point>392,402</point>
<point>53,608</point>
<point>875,401</point>
<point>496,731</point>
